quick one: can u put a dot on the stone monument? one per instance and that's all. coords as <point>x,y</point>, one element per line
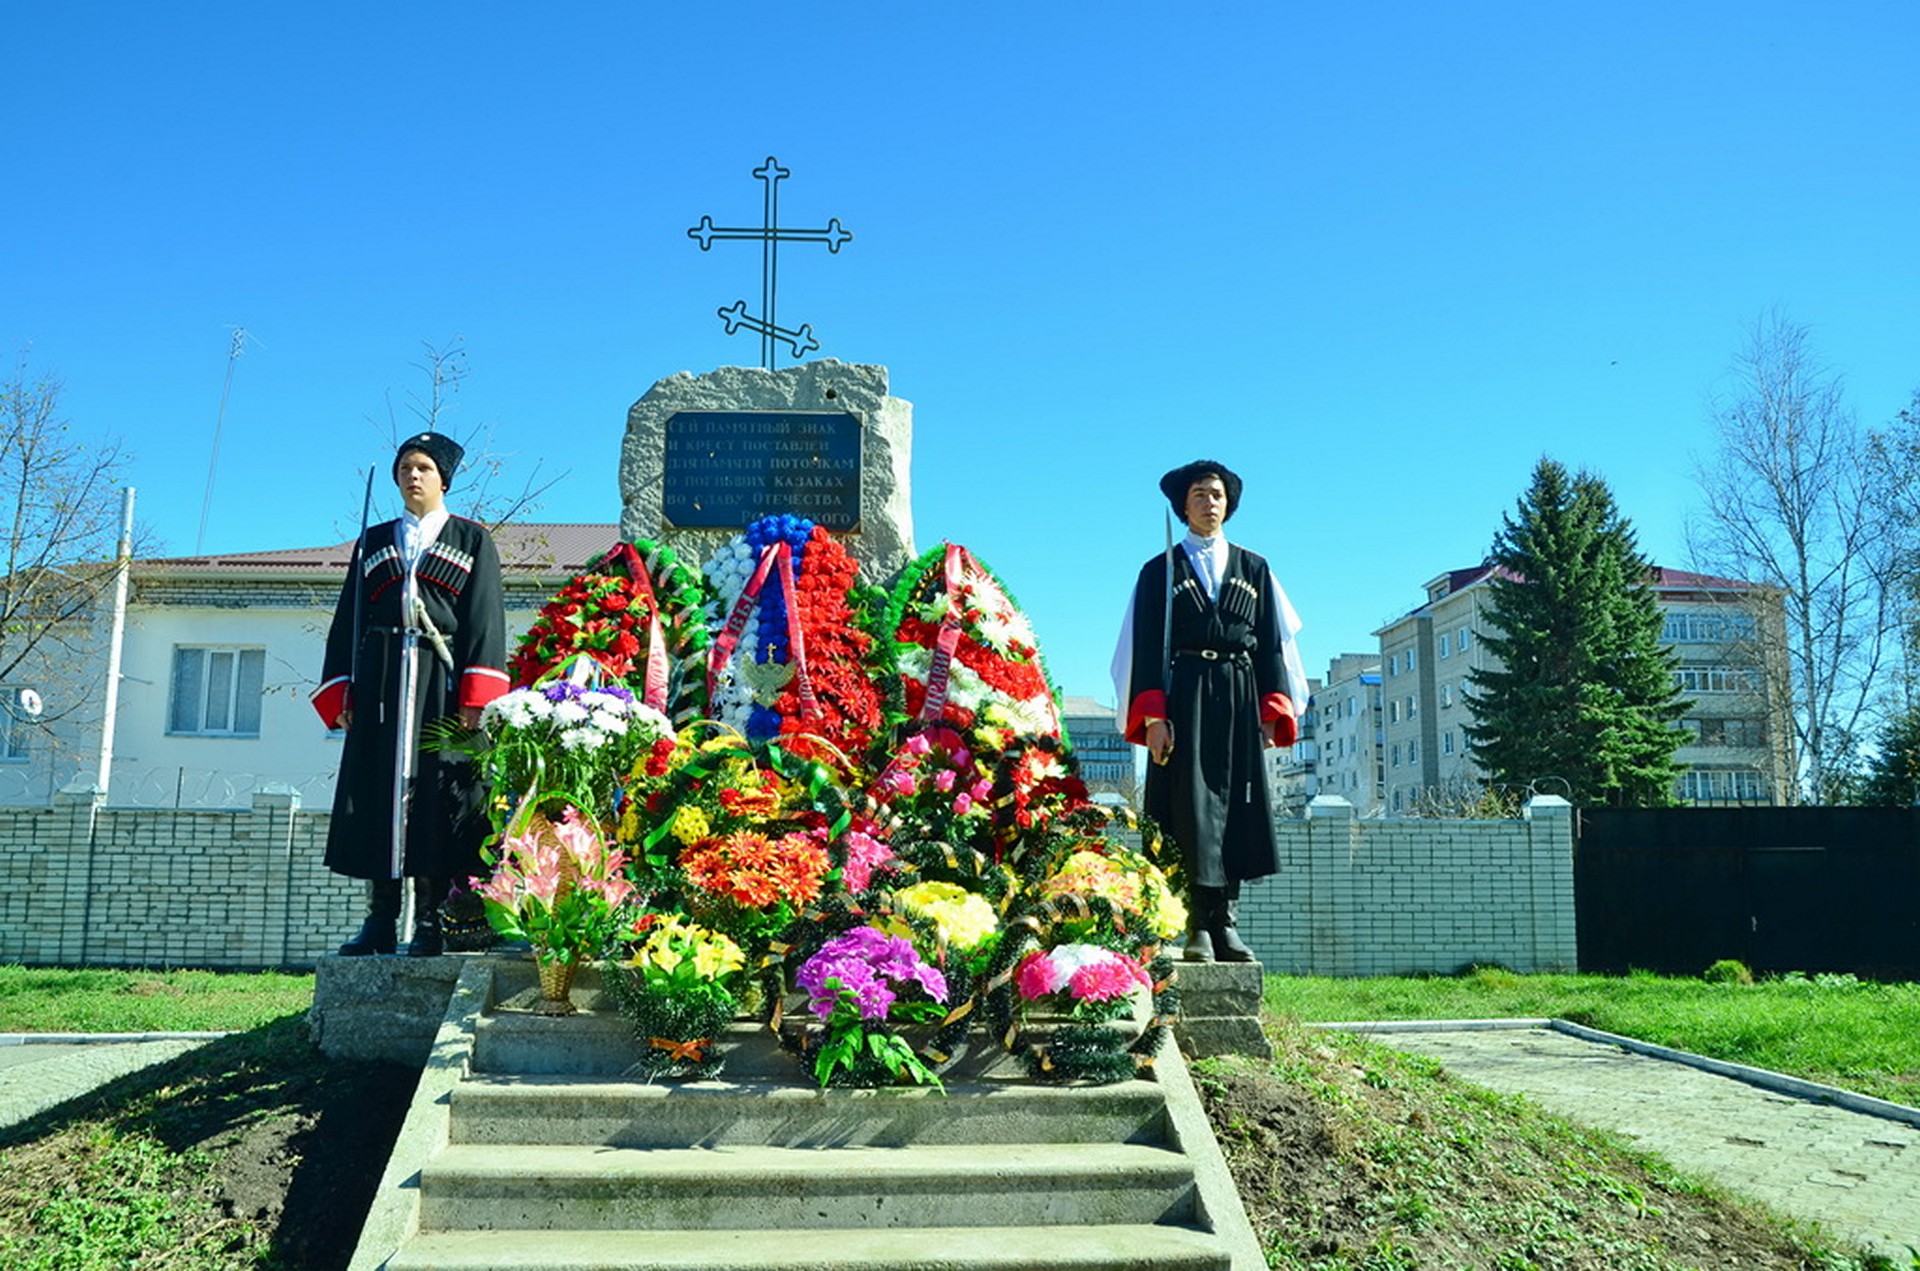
<point>706,454</point>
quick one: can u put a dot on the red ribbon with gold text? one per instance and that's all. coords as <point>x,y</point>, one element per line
<point>939,673</point>
<point>656,691</point>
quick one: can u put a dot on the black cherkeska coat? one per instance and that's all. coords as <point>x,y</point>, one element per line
<point>1211,795</point>
<point>458,582</point>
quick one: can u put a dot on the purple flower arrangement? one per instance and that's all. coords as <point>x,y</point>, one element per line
<point>858,983</point>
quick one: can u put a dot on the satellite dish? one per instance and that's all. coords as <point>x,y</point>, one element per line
<point>29,703</point>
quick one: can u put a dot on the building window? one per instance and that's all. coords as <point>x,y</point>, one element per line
<point>1746,732</point>
<point>1413,752</point>
<point>1464,633</point>
<point>1393,711</point>
<point>1446,695</point>
<point>1396,754</point>
<point>1716,679</point>
<point>1446,741</point>
<point>1393,664</point>
<point>1702,785</point>
<point>1413,706</point>
<point>13,728</point>
<point>1686,626</point>
<point>1446,645</point>
<point>216,692</point>
<point>1410,653</point>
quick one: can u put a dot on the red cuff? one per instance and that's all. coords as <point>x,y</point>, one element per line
<point>1276,711</point>
<point>481,684</point>
<point>1146,708</point>
<point>331,700</point>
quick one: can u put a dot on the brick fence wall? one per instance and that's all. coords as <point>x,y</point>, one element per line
<point>91,885</point>
<point>1397,897</point>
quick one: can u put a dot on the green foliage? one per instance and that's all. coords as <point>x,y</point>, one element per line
<point>856,1052</point>
<point>1728,971</point>
<point>1893,779</point>
<point>1584,690</point>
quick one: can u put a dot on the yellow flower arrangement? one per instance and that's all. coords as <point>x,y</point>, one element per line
<point>690,824</point>
<point>676,947</point>
<point>963,919</point>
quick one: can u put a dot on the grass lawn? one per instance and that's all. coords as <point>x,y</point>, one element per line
<point>1834,1029</point>
<point>52,1000</point>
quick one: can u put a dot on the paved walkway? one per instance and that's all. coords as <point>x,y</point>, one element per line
<point>1856,1174</point>
<point>42,1074</point>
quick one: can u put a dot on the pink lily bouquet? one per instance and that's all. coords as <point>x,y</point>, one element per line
<point>561,888</point>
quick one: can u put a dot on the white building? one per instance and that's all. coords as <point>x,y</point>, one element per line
<point>1346,719</point>
<point>220,654</point>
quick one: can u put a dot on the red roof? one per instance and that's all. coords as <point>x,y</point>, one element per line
<point>540,548</point>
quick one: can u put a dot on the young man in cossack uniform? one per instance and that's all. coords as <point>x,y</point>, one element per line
<point>419,634</point>
<point>1206,688</point>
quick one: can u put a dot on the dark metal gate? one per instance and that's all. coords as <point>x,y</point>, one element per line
<point>1782,889</point>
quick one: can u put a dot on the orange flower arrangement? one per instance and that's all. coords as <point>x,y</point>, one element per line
<point>758,872</point>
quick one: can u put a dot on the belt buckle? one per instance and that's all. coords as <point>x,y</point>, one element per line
<point>1211,655</point>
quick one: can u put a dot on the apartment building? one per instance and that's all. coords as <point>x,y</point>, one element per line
<point>1106,759</point>
<point>1346,721</point>
<point>1728,637</point>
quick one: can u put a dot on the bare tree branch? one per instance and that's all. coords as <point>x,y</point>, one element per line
<point>1790,503</point>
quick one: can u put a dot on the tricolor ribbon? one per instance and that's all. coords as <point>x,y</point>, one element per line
<point>721,653</point>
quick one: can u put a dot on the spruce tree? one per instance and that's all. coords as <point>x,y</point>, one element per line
<point>1584,690</point>
<point>1893,780</point>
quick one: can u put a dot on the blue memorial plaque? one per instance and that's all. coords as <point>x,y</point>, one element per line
<point>726,468</point>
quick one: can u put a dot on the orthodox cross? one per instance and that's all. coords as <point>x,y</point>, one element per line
<point>771,234</point>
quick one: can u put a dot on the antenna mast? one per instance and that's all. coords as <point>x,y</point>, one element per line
<point>234,351</point>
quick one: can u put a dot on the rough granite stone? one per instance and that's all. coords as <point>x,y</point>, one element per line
<point>884,543</point>
<point>1220,988</point>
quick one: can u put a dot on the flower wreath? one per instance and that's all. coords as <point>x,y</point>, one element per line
<point>966,653</point>
<point>790,658</point>
<point>638,612</point>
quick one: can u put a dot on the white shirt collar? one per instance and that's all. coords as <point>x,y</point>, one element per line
<point>417,533</point>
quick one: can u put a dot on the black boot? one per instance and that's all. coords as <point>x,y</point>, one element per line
<point>1199,925</point>
<point>427,895</point>
<point>1227,944</point>
<point>376,934</point>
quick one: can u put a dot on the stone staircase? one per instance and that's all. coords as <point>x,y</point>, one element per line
<point>539,1156</point>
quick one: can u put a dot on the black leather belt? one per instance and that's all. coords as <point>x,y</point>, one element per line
<point>1213,655</point>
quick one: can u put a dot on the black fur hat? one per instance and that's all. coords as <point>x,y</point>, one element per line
<point>442,449</point>
<point>1176,484</point>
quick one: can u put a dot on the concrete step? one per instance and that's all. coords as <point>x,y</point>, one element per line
<point>600,1043</point>
<point>523,1186</point>
<point>1051,1248</point>
<point>558,1110</point>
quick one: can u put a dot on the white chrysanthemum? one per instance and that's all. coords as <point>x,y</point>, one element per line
<point>964,689</point>
<point>1032,717</point>
<point>655,721</point>
<point>582,739</point>
<point>1002,629</point>
<point>609,723</point>
<point>570,713</point>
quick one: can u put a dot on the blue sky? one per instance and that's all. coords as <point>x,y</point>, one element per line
<point>1378,257</point>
